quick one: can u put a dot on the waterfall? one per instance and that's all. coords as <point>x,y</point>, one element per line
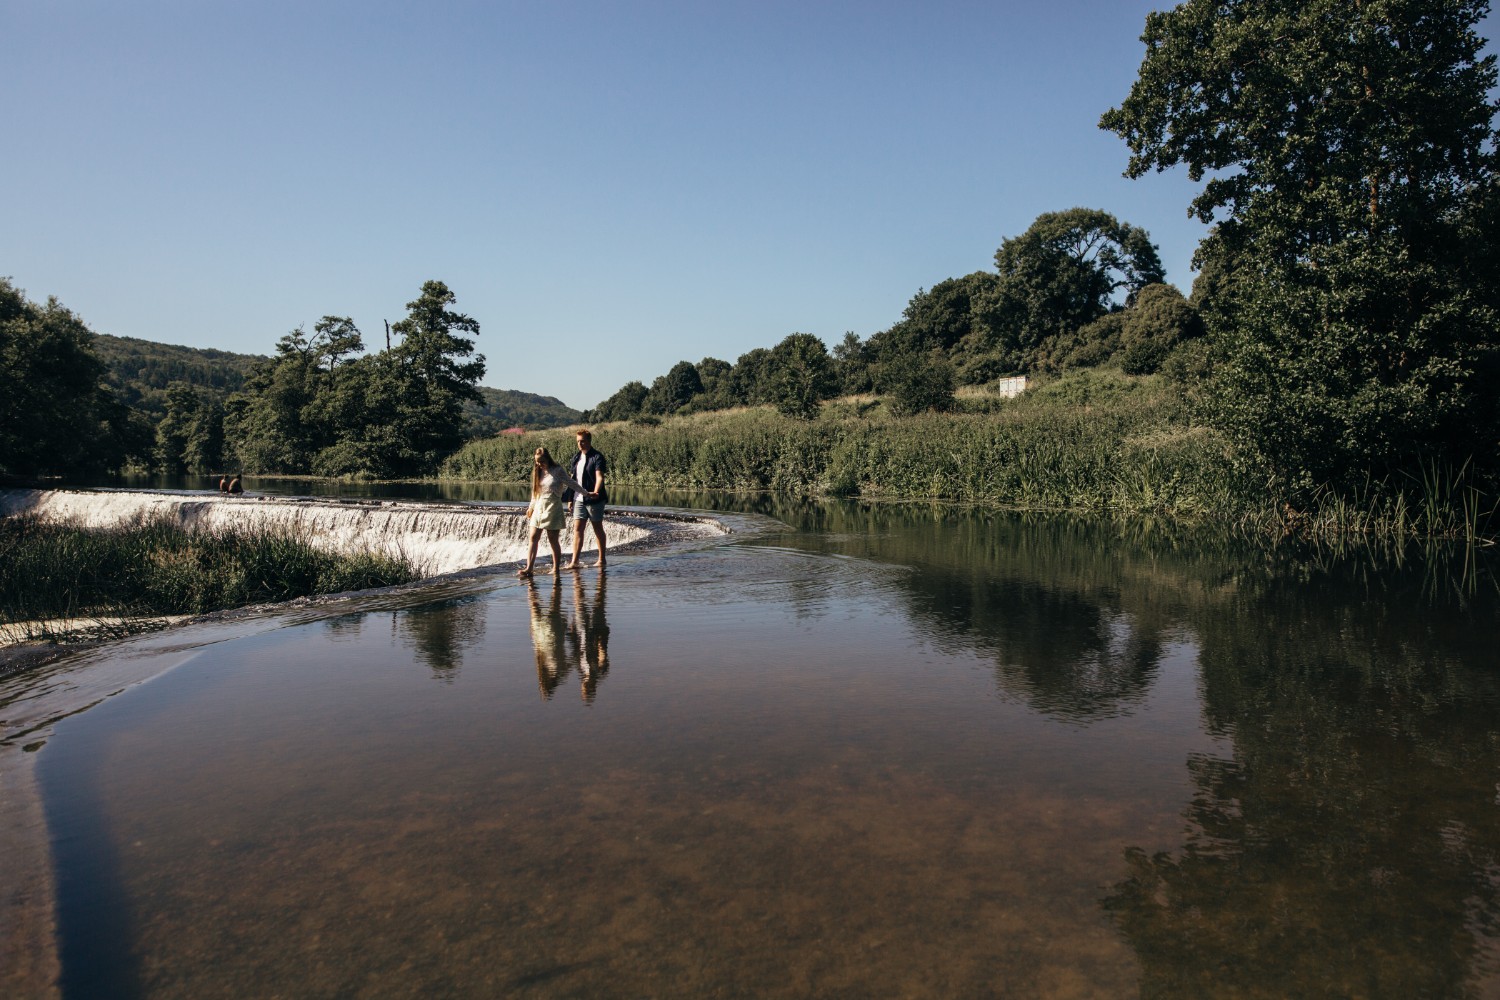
<point>435,537</point>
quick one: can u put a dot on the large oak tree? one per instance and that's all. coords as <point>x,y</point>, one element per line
<point>1347,154</point>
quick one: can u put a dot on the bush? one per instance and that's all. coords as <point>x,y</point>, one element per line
<point>918,383</point>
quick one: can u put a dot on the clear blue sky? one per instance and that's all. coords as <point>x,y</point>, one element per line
<point>608,187</point>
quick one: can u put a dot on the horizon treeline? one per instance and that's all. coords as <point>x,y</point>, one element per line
<point>318,406</point>
<point>1079,288</point>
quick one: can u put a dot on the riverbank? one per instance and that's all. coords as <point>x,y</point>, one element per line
<point>59,578</point>
<point>1091,441</point>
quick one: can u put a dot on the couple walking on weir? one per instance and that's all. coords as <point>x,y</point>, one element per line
<point>552,487</point>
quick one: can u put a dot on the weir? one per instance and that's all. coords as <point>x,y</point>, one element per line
<point>435,538</point>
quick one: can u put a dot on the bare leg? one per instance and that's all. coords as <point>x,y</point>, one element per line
<point>577,543</point>
<point>556,549</point>
<point>599,537</point>
<point>536,536</point>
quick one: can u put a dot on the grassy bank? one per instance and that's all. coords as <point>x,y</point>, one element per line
<point>156,567</point>
<point>1096,440</point>
<point>1100,440</point>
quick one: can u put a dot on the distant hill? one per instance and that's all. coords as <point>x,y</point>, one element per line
<point>504,408</point>
<point>141,370</point>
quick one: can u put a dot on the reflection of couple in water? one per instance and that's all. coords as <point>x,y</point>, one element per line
<point>564,641</point>
<point>553,487</point>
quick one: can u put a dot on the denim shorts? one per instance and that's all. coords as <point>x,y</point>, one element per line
<point>592,510</point>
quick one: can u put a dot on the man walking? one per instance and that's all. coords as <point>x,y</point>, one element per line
<point>589,469</point>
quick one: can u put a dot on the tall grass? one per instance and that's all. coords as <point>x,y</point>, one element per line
<point>1096,440</point>
<point>156,567</point>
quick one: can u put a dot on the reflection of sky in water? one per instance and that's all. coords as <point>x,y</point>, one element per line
<point>846,763</point>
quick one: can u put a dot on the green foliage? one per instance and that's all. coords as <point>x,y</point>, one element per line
<point>294,405</point>
<point>502,409</point>
<point>948,319</point>
<point>851,362</point>
<point>56,414</point>
<point>190,436</point>
<point>141,371</point>
<point>625,404</point>
<point>317,408</point>
<point>750,379</point>
<point>1092,440</point>
<point>1352,285</point>
<point>1335,379</point>
<point>717,393</point>
<point>1157,321</point>
<point>674,390</point>
<point>1068,269</point>
<point>434,372</point>
<point>803,376</point>
<point>918,382</point>
<point>159,567</point>
<point>1089,345</point>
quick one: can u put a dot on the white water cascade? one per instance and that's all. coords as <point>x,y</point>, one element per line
<point>435,537</point>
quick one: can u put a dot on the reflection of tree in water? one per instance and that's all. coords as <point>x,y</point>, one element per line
<point>1351,847</point>
<point>1070,611</point>
<point>569,631</point>
<point>438,633</point>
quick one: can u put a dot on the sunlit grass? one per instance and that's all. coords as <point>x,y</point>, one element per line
<point>156,567</point>
<point>1096,440</point>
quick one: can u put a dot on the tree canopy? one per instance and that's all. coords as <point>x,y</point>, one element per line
<point>1348,158</point>
<point>321,406</point>
<point>1066,270</point>
<point>56,413</point>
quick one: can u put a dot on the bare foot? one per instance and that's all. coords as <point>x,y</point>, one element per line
<point>571,567</point>
<point>524,571</point>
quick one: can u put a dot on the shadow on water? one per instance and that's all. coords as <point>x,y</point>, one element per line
<point>777,783</point>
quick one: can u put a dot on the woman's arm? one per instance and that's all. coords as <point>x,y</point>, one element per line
<point>562,475</point>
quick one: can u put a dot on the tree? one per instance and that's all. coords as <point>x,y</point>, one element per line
<point>674,390</point>
<point>625,404</point>
<point>436,372</point>
<point>803,375</point>
<point>851,361</point>
<point>284,416</point>
<point>1350,156</point>
<point>918,382</point>
<point>1066,270</point>
<point>1153,326</point>
<point>717,388</point>
<point>56,414</point>
<point>190,438</point>
<point>750,379</point>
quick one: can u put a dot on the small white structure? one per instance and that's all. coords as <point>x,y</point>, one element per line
<point>1007,388</point>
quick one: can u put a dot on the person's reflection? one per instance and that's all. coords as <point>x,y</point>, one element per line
<point>592,629</point>
<point>549,634</point>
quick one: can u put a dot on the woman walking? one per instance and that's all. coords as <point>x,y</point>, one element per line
<point>548,512</point>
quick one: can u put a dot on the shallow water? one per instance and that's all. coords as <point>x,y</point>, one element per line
<point>871,751</point>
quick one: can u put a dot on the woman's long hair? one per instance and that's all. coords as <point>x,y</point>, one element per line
<point>539,467</point>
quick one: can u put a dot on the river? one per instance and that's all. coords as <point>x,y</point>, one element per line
<point>842,751</point>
